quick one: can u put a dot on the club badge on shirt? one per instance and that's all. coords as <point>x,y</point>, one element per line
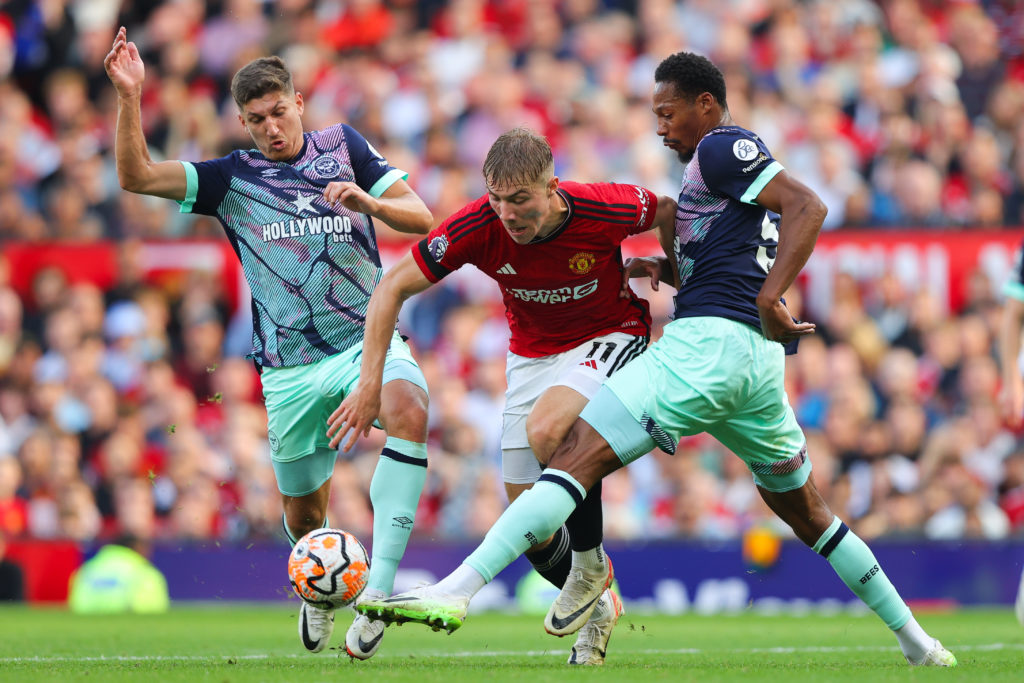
<point>326,166</point>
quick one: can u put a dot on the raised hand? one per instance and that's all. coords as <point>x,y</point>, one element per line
<point>124,66</point>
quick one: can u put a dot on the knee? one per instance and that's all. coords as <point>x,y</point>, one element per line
<point>584,456</point>
<point>303,520</point>
<point>406,416</point>
<point>543,435</point>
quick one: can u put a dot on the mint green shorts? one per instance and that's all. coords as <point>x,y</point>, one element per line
<point>299,400</point>
<point>709,375</point>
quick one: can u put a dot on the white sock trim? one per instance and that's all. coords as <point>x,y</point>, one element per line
<point>463,582</point>
<point>589,559</point>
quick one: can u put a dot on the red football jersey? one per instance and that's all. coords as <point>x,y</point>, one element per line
<point>561,290</point>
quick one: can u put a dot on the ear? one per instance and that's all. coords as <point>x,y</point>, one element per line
<point>552,185</point>
<point>706,101</point>
<point>299,103</point>
<point>241,120</point>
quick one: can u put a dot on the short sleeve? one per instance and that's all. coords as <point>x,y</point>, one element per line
<point>372,171</point>
<point>454,243</point>
<point>646,203</point>
<point>736,165</point>
<point>206,184</point>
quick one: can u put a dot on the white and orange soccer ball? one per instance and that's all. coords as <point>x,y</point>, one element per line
<point>328,568</point>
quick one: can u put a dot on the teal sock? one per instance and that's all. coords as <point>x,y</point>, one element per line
<point>856,565</point>
<point>532,517</point>
<point>394,494</point>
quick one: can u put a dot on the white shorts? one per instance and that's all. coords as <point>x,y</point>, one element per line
<point>583,368</point>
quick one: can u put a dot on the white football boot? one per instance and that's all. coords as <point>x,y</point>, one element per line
<point>424,605</point>
<point>574,605</point>
<point>592,640</point>
<point>363,637</point>
<point>936,656</point>
<point>315,627</point>
<point>362,640</point>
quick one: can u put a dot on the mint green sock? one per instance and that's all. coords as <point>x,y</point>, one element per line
<point>394,494</point>
<point>531,518</point>
<point>856,565</point>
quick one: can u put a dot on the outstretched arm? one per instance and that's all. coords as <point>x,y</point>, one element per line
<point>802,214</point>
<point>136,171</point>
<point>361,407</point>
<point>399,206</point>
<point>1011,396</point>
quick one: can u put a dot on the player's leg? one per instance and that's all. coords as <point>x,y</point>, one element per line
<point>398,478</point>
<point>607,436</point>
<point>552,557</point>
<point>303,465</point>
<point>815,524</point>
<point>535,514</point>
<point>395,487</point>
<point>1018,607</point>
<point>527,379</point>
<point>304,512</point>
<point>580,374</point>
<point>549,422</point>
<point>763,430</point>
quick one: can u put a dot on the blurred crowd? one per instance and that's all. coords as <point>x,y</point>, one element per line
<point>897,112</point>
<point>132,410</point>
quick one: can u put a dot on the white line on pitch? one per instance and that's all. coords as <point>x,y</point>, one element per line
<point>491,653</point>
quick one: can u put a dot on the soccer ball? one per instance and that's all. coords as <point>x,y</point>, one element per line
<point>328,568</point>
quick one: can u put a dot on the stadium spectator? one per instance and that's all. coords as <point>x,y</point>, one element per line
<point>12,579</point>
<point>119,579</point>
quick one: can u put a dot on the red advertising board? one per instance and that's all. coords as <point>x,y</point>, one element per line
<point>942,261</point>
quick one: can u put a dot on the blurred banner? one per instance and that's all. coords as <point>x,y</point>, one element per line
<point>668,576</point>
<point>944,263</point>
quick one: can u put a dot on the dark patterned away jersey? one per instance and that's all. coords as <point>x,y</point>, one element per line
<point>311,267</point>
<point>561,290</point>
<point>725,243</point>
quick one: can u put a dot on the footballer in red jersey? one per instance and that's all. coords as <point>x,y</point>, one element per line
<point>554,249</point>
<point>560,288</point>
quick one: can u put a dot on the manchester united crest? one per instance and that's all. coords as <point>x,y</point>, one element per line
<point>581,263</point>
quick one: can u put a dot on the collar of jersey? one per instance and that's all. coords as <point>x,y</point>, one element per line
<point>561,226</point>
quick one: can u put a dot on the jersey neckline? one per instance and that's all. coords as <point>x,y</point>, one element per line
<point>565,221</point>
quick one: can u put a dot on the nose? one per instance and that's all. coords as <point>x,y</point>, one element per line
<point>272,127</point>
<point>662,130</point>
<point>507,213</point>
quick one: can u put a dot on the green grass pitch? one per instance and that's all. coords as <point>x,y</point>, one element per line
<point>229,643</point>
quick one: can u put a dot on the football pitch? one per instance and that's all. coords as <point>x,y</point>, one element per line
<point>230,643</point>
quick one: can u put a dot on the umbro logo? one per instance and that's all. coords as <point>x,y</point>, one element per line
<point>269,172</point>
<point>402,522</point>
<point>507,269</point>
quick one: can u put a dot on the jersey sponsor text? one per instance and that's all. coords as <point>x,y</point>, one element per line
<point>338,227</point>
<point>555,296</point>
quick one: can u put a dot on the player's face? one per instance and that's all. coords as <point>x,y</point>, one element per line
<point>524,210</point>
<point>274,122</point>
<point>679,121</point>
